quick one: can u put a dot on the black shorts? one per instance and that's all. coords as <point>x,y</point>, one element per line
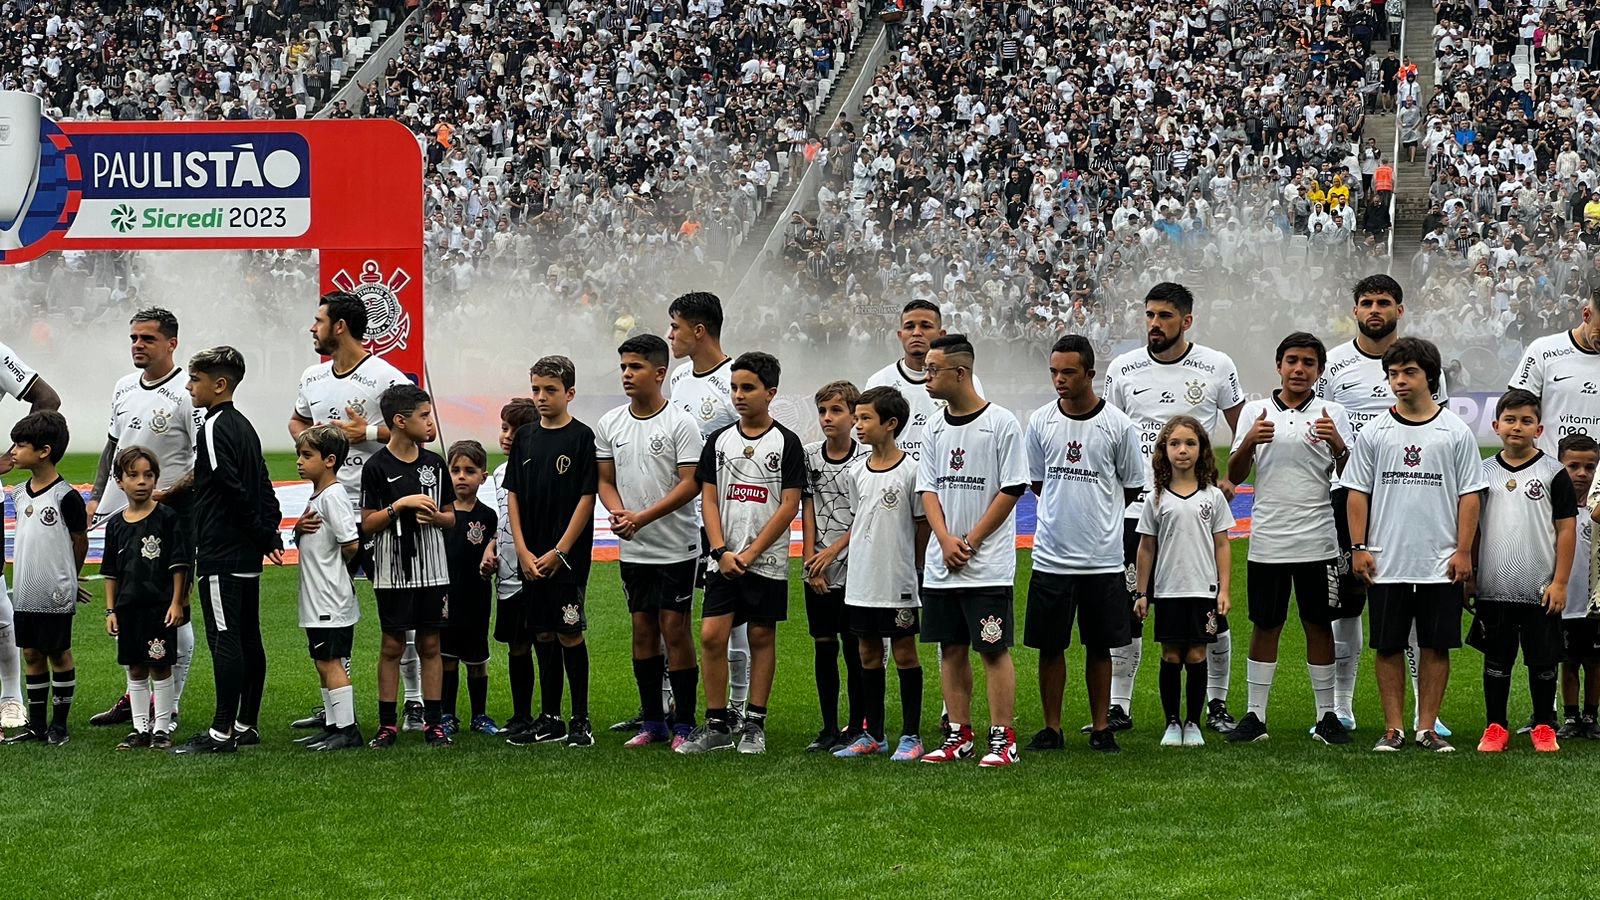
<point>1130,576</point>
<point>1352,590</point>
<point>1581,638</point>
<point>876,623</point>
<point>659,587</point>
<point>556,607</point>
<point>407,609</point>
<point>826,615</point>
<point>1098,601</point>
<point>1434,608</point>
<point>143,638</point>
<point>47,633</point>
<point>466,637</point>
<point>984,617</point>
<point>1187,620</point>
<point>511,622</point>
<point>748,598</point>
<point>1315,586</point>
<point>1498,629</point>
<point>331,643</point>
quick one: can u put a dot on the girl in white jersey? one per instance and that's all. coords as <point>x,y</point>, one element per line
<point>1187,520</point>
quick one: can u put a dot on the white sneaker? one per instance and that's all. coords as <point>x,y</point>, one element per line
<point>1193,736</point>
<point>1173,736</point>
<point>12,713</point>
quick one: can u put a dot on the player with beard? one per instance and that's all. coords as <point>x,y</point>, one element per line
<point>1563,371</point>
<point>344,390</point>
<point>1171,376</point>
<point>1355,379</point>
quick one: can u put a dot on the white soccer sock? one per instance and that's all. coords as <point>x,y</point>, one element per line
<point>666,677</point>
<point>1346,662</point>
<point>166,694</point>
<point>411,669</point>
<point>739,665</point>
<point>1412,652</point>
<point>325,704</point>
<point>1323,687</point>
<point>180,666</point>
<point>342,706</point>
<point>1124,666</point>
<point>944,708</point>
<point>139,700</point>
<point>1258,675</point>
<point>1219,667</point>
<point>10,657</point>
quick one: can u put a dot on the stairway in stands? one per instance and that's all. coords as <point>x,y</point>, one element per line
<point>1412,181</point>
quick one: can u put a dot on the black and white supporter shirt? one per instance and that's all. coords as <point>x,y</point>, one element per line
<point>750,473</point>
<point>1517,531</point>
<point>407,554</point>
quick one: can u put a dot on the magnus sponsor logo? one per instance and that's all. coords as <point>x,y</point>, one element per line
<point>748,493</point>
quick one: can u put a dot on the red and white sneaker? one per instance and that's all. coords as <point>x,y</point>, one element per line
<point>1544,739</point>
<point>1002,748</point>
<point>1495,738</point>
<point>957,745</point>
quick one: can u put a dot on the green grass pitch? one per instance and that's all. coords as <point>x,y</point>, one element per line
<point>1284,818</point>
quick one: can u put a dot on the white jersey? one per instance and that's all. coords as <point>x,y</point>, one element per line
<point>46,570</point>
<point>327,592</point>
<point>1358,382</point>
<point>325,394</point>
<point>750,474</point>
<point>966,463</point>
<point>1517,532</point>
<point>508,579</point>
<point>883,540</point>
<point>1292,520</point>
<point>706,396</point>
<point>16,376</point>
<point>1414,473</point>
<point>1185,529</point>
<point>913,385</point>
<point>1084,464</point>
<point>829,497</point>
<point>1203,383</point>
<point>159,417</point>
<point>1566,378</point>
<point>647,453</point>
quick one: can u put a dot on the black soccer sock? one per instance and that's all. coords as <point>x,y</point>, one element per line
<point>1542,686</point>
<point>38,702</point>
<point>1171,680</point>
<point>1592,712</point>
<point>910,700</point>
<point>577,663</point>
<point>756,714</point>
<point>647,674</point>
<point>62,684</point>
<point>432,711</point>
<point>853,685</point>
<point>450,687</point>
<point>718,720</point>
<point>548,654</point>
<point>1496,693</point>
<point>478,692</point>
<point>519,672</point>
<point>826,663</point>
<point>874,684</point>
<point>1569,710</point>
<point>1194,691</point>
<point>685,691</point>
<point>387,713</point>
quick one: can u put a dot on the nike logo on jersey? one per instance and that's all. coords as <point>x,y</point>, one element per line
<point>1348,385</point>
<point>394,478</point>
<point>620,444</point>
<point>1139,391</point>
<point>1561,378</point>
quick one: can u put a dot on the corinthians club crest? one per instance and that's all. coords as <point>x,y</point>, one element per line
<point>1074,452</point>
<point>388,323</point>
<point>1413,457</point>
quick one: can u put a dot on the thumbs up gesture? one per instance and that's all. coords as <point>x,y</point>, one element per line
<point>1261,431</point>
<point>1327,431</point>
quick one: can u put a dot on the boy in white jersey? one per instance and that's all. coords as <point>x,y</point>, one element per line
<point>1085,466</point>
<point>920,323</point>
<point>1525,547</point>
<point>825,517</point>
<point>1355,379</point>
<point>647,450</point>
<point>345,390</point>
<point>19,380</point>
<point>1171,376</point>
<point>1580,668</point>
<point>974,468</point>
<point>1413,481</point>
<point>1563,371</point>
<point>1295,443</point>
<point>751,474</point>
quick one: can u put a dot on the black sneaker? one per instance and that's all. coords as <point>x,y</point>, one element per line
<point>160,742</point>
<point>1104,742</point>
<point>1249,730</point>
<point>343,739</point>
<point>412,719</point>
<point>544,730</point>
<point>138,740</point>
<point>121,712</point>
<point>311,740</point>
<point>1117,719</point>
<point>204,743</point>
<point>318,719</point>
<point>827,741</point>
<point>247,737</point>
<point>56,735</point>
<point>1570,728</point>
<point>630,725</point>
<point>1330,730</point>
<point>1217,717</point>
<point>386,737</point>
<point>1431,742</point>
<point>1393,741</point>
<point>26,736</point>
<point>1591,728</point>
<point>517,725</point>
<point>580,733</point>
<point>436,736</point>
<point>1046,739</point>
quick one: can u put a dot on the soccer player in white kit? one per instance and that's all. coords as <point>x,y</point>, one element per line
<point>19,380</point>
<point>1355,379</point>
<point>151,408</point>
<point>1171,376</point>
<point>344,390</point>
